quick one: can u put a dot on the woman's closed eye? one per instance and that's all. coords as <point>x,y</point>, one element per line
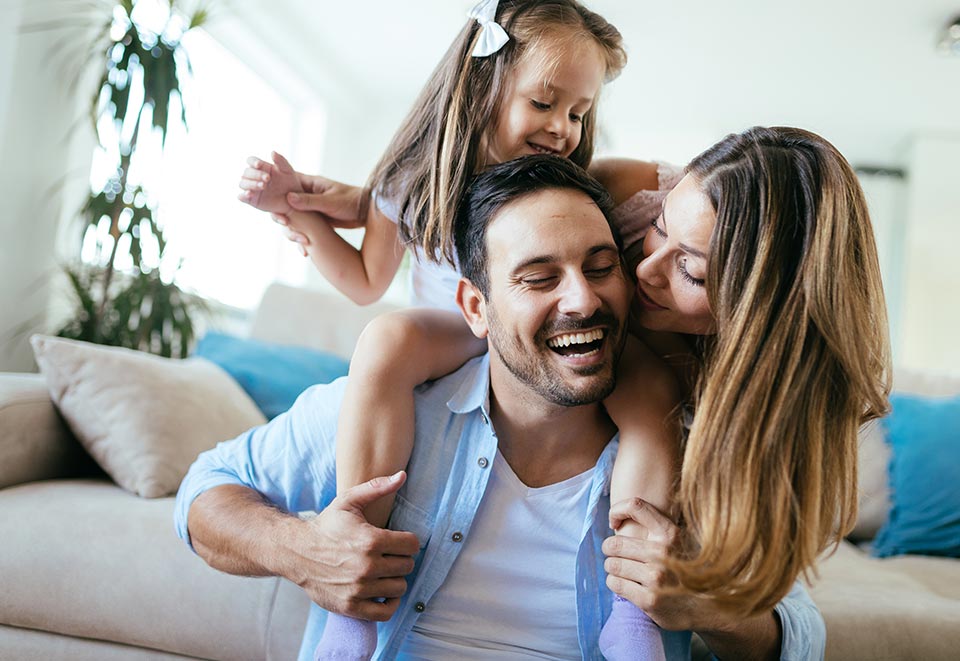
<point>685,274</point>
<point>656,228</point>
<point>539,105</point>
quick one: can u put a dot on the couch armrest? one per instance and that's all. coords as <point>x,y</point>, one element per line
<point>35,443</point>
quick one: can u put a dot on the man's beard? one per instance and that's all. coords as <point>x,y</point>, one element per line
<point>533,367</point>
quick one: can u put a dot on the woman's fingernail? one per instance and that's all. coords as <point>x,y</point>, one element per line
<point>293,197</point>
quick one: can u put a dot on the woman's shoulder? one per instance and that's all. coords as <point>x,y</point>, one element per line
<point>625,177</point>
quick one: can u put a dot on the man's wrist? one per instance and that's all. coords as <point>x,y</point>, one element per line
<point>280,552</point>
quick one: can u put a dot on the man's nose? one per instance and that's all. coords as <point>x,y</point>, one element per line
<point>578,297</point>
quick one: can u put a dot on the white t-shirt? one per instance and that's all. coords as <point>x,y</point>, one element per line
<point>511,593</point>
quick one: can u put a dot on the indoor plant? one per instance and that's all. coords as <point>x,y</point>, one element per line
<point>120,296</point>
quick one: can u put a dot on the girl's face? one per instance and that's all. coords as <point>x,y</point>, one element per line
<point>547,96</point>
<point>671,291</point>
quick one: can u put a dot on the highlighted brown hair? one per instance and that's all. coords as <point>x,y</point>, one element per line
<point>800,360</point>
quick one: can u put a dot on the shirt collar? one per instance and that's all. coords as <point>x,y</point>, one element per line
<point>474,390</point>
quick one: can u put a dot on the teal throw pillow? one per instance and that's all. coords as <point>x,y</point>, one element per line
<point>273,375</point>
<point>924,436</point>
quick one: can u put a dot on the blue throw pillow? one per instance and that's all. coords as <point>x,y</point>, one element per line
<point>924,435</point>
<point>273,375</point>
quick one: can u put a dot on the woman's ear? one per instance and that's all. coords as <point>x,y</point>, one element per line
<point>473,307</point>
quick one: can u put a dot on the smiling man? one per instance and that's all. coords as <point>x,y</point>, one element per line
<point>499,524</point>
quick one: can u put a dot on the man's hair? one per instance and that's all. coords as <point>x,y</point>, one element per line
<point>504,183</point>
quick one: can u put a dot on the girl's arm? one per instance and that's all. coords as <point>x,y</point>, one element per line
<point>395,353</point>
<point>645,408</point>
<point>362,275</point>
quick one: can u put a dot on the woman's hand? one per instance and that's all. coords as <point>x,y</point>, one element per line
<point>340,204</point>
<point>636,568</point>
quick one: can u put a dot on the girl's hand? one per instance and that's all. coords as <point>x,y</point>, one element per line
<point>301,239</point>
<point>265,185</point>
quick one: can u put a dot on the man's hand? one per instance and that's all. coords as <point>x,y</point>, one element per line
<point>346,565</point>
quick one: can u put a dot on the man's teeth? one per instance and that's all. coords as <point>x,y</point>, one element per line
<point>575,338</point>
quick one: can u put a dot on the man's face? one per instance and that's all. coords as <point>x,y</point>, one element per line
<point>558,297</point>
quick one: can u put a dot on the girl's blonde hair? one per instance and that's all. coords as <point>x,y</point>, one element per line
<point>438,148</point>
<point>801,359</point>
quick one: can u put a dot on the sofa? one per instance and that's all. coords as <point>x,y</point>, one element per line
<point>91,571</point>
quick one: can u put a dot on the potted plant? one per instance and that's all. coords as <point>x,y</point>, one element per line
<point>121,299</point>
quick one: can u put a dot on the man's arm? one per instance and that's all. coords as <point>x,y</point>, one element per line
<point>235,508</point>
<point>636,571</point>
<point>342,562</point>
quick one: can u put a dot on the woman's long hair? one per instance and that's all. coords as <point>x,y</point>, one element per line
<point>800,360</point>
<point>439,146</point>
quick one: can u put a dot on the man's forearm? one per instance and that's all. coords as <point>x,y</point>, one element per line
<point>758,638</point>
<point>236,531</point>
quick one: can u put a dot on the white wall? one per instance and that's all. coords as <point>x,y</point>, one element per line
<point>931,284</point>
<point>37,117</point>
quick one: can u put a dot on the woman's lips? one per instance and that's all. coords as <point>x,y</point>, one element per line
<point>646,302</point>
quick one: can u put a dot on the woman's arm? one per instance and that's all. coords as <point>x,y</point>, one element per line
<point>624,177</point>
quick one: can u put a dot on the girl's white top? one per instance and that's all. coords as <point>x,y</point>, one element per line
<point>432,285</point>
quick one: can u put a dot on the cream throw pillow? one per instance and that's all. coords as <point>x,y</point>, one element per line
<point>143,418</point>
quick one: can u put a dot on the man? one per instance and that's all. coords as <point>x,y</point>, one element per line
<point>506,498</point>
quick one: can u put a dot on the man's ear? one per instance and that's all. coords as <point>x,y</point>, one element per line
<point>473,307</point>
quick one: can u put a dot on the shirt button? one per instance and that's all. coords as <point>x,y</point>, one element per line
<point>482,462</point>
<point>420,607</point>
<point>457,537</point>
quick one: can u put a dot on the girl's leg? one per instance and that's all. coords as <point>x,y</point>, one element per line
<point>644,408</point>
<point>395,353</point>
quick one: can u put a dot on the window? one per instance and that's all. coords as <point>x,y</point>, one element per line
<point>217,246</point>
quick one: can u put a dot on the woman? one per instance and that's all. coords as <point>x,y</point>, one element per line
<point>763,257</point>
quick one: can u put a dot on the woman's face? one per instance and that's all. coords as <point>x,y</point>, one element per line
<point>671,291</point>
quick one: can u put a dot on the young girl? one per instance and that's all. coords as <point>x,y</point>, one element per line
<point>522,78</point>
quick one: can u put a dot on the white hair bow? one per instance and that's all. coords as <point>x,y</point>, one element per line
<point>492,36</point>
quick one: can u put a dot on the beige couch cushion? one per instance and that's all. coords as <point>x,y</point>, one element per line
<point>143,418</point>
<point>35,444</point>
<point>324,320</point>
<point>85,558</point>
<point>889,608</point>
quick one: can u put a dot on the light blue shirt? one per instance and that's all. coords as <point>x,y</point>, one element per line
<point>291,461</point>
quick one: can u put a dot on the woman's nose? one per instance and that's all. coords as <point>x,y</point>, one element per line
<point>650,270</point>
